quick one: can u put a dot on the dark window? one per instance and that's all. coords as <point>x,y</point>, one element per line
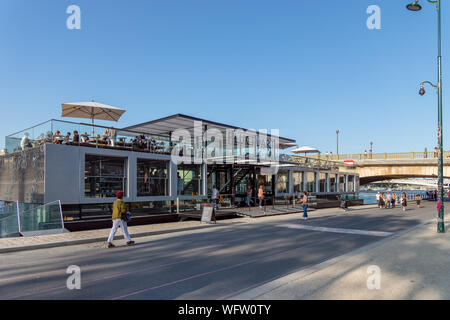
<point>189,177</point>
<point>104,176</point>
<point>152,178</point>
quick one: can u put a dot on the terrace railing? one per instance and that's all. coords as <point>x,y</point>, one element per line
<point>55,131</point>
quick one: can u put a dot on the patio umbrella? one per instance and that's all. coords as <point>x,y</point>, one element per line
<point>305,150</point>
<point>91,110</point>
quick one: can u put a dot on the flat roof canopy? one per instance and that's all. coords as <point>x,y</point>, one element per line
<point>165,126</point>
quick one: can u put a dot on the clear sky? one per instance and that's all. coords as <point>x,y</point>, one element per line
<point>304,67</point>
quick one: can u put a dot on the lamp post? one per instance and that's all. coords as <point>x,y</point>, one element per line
<point>416,7</point>
<point>371,149</point>
<point>337,142</point>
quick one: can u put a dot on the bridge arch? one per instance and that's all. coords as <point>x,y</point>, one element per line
<point>372,171</point>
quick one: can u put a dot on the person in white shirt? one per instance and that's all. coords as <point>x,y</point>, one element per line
<point>214,197</point>
<point>388,200</point>
<point>25,142</point>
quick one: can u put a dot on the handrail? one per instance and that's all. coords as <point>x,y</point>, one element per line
<point>382,156</point>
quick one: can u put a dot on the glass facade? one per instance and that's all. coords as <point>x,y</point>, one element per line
<point>189,179</point>
<point>104,176</point>
<point>333,182</point>
<point>298,181</point>
<point>351,183</point>
<point>323,182</point>
<point>310,181</point>
<point>266,182</point>
<point>152,178</point>
<point>283,182</point>
<point>342,184</point>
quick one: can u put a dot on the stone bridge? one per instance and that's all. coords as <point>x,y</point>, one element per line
<point>386,166</point>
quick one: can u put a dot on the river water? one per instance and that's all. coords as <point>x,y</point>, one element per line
<point>370,196</point>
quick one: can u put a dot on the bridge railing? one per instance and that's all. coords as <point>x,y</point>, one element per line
<point>385,156</point>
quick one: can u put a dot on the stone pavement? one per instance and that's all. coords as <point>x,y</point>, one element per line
<point>413,265</point>
<point>101,235</point>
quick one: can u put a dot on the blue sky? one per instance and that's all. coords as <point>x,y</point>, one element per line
<point>304,67</point>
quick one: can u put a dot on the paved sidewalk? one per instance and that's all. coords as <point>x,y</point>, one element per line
<point>91,236</point>
<point>101,235</point>
<point>413,265</point>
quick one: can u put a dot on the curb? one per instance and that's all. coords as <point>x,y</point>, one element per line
<point>254,293</point>
<point>103,239</point>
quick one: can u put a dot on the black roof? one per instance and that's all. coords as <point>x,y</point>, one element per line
<point>166,125</point>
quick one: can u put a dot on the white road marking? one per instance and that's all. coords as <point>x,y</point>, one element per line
<point>337,230</point>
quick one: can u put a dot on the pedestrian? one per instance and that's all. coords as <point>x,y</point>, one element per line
<point>344,204</point>
<point>378,198</point>
<point>365,154</point>
<point>214,197</point>
<point>304,201</point>
<point>119,220</point>
<point>394,196</point>
<point>418,198</point>
<point>404,201</point>
<point>249,195</point>
<point>388,200</point>
<point>260,196</point>
<point>381,201</point>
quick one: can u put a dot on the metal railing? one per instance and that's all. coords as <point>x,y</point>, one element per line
<point>383,156</point>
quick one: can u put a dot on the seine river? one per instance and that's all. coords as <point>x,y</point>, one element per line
<point>369,196</point>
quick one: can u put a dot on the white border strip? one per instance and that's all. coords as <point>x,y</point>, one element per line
<point>337,230</point>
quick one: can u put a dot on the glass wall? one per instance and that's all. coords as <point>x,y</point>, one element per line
<point>351,183</point>
<point>189,178</point>
<point>323,182</point>
<point>298,181</point>
<point>283,182</point>
<point>71,133</point>
<point>266,182</point>
<point>333,182</point>
<point>310,181</point>
<point>104,176</point>
<point>342,184</point>
<point>152,178</point>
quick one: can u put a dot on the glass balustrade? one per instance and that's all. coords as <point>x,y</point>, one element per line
<point>9,225</point>
<point>45,217</point>
<point>87,135</point>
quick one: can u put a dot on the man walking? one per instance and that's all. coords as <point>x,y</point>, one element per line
<point>249,195</point>
<point>214,197</point>
<point>119,209</point>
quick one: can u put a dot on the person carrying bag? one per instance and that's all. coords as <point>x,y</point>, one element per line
<point>120,217</point>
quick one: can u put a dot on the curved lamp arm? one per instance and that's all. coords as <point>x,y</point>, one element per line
<point>422,90</point>
<point>431,84</point>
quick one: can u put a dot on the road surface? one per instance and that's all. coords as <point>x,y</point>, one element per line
<point>216,263</point>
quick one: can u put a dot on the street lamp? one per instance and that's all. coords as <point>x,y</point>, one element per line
<point>337,142</point>
<point>371,149</point>
<point>416,7</point>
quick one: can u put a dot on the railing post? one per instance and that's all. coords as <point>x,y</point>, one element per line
<point>60,212</point>
<point>18,217</point>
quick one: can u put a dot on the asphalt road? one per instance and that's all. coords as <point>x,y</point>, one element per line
<point>216,263</point>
